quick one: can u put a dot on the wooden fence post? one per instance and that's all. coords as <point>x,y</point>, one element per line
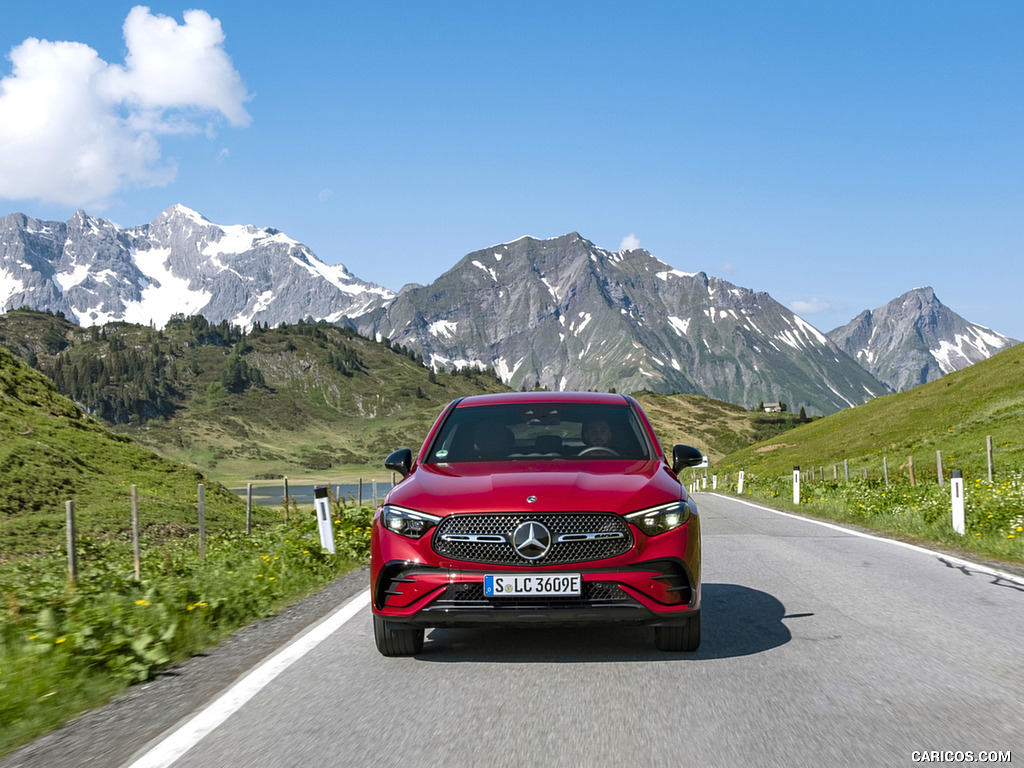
<point>201,505</point>
<point>885,469</point>
<point>938,467</point>
<point>846,469</point>
<point>69,510</point>
<point>988,450</point>
<point>286,516</point>
<point>910,468</point>
<point>136,558</point>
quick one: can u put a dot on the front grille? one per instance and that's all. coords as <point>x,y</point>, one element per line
<point>591,536</point>
<point>471,595</point>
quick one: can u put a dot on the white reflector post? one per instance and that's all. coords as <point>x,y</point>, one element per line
<point>323,518</point>
<point>739,484</point>
<point>796,485</point>
<point>956,484</point>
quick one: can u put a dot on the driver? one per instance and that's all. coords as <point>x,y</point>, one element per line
<point>597,434</point>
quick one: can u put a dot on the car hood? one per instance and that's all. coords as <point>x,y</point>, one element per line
<point>593,486</point>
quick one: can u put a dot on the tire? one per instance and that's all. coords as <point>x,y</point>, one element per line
<point>396,642</point>
<point>685,637</point>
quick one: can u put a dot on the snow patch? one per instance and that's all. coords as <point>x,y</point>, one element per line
<point>554,290</point>
<point>810,330</point>
<point>679,325</point>
<point>69,279</point>
<point>444,328</point>
<point>673,273</point>
<point>587,317</point>
<point>504,372</point>
<point>490,271</point>
<point>163,295</point>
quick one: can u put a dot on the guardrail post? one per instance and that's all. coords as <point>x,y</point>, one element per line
<point>321,502</point>
<point>956,484</point>
<point>248,509</point>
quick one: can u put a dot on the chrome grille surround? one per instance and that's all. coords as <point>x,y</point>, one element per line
<point>576,537</point>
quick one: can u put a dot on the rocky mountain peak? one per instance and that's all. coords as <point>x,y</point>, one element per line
<point>914,339</point>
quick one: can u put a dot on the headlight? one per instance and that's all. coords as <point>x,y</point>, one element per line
<point>660,519</point>
<point>407,522</point>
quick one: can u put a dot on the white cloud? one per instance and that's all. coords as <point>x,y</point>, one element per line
<point>629,243</point>
<point>811,307</point>
<point>75,129</point>
<point>325,195</point>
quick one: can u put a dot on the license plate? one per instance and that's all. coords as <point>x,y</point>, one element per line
<point>532,585</point>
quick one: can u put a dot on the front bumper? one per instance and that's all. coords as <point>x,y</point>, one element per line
<point>662,592</point>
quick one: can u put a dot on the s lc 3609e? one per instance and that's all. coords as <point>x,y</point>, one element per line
<point>550,508</point>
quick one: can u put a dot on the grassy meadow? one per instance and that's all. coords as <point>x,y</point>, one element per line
<point>953,417</point>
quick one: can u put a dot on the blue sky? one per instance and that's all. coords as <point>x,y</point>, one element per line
<point>835,155</point>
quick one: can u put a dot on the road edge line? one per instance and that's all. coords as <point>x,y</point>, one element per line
<point>1011,577</point>
<point>171,747</point>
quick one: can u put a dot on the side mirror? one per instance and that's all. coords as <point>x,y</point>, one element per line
<point>400,461</point>
<point>684,456</point>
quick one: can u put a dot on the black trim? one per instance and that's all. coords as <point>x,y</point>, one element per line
<point>446,414</point>
<point>674,570</point>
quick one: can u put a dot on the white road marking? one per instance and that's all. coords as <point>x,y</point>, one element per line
<point>949,558</point>
<point>190,733</point>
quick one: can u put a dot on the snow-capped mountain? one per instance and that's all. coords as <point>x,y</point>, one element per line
<point>560,312</point>
<point>915,339</point>
<point>570,315</point>
<point>95,272</point>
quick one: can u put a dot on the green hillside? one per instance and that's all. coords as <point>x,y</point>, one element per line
<point>714,427</point>
<point>294,401</point>
<point>299,400</point>
<point>954,415</point>
<point>50,452</point>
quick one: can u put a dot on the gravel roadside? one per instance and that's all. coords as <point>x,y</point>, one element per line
<point>107,737</point>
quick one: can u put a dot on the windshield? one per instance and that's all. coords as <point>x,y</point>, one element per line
<point>540,430</point>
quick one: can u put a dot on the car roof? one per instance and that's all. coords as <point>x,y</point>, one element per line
<point>515,398</point>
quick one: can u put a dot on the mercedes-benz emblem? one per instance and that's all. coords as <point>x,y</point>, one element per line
<point>531,540</point>
<point>531,499</point>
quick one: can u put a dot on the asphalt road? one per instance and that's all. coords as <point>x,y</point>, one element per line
<point>820,648</point>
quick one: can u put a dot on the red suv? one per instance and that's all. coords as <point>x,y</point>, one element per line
<point>537,508</point>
